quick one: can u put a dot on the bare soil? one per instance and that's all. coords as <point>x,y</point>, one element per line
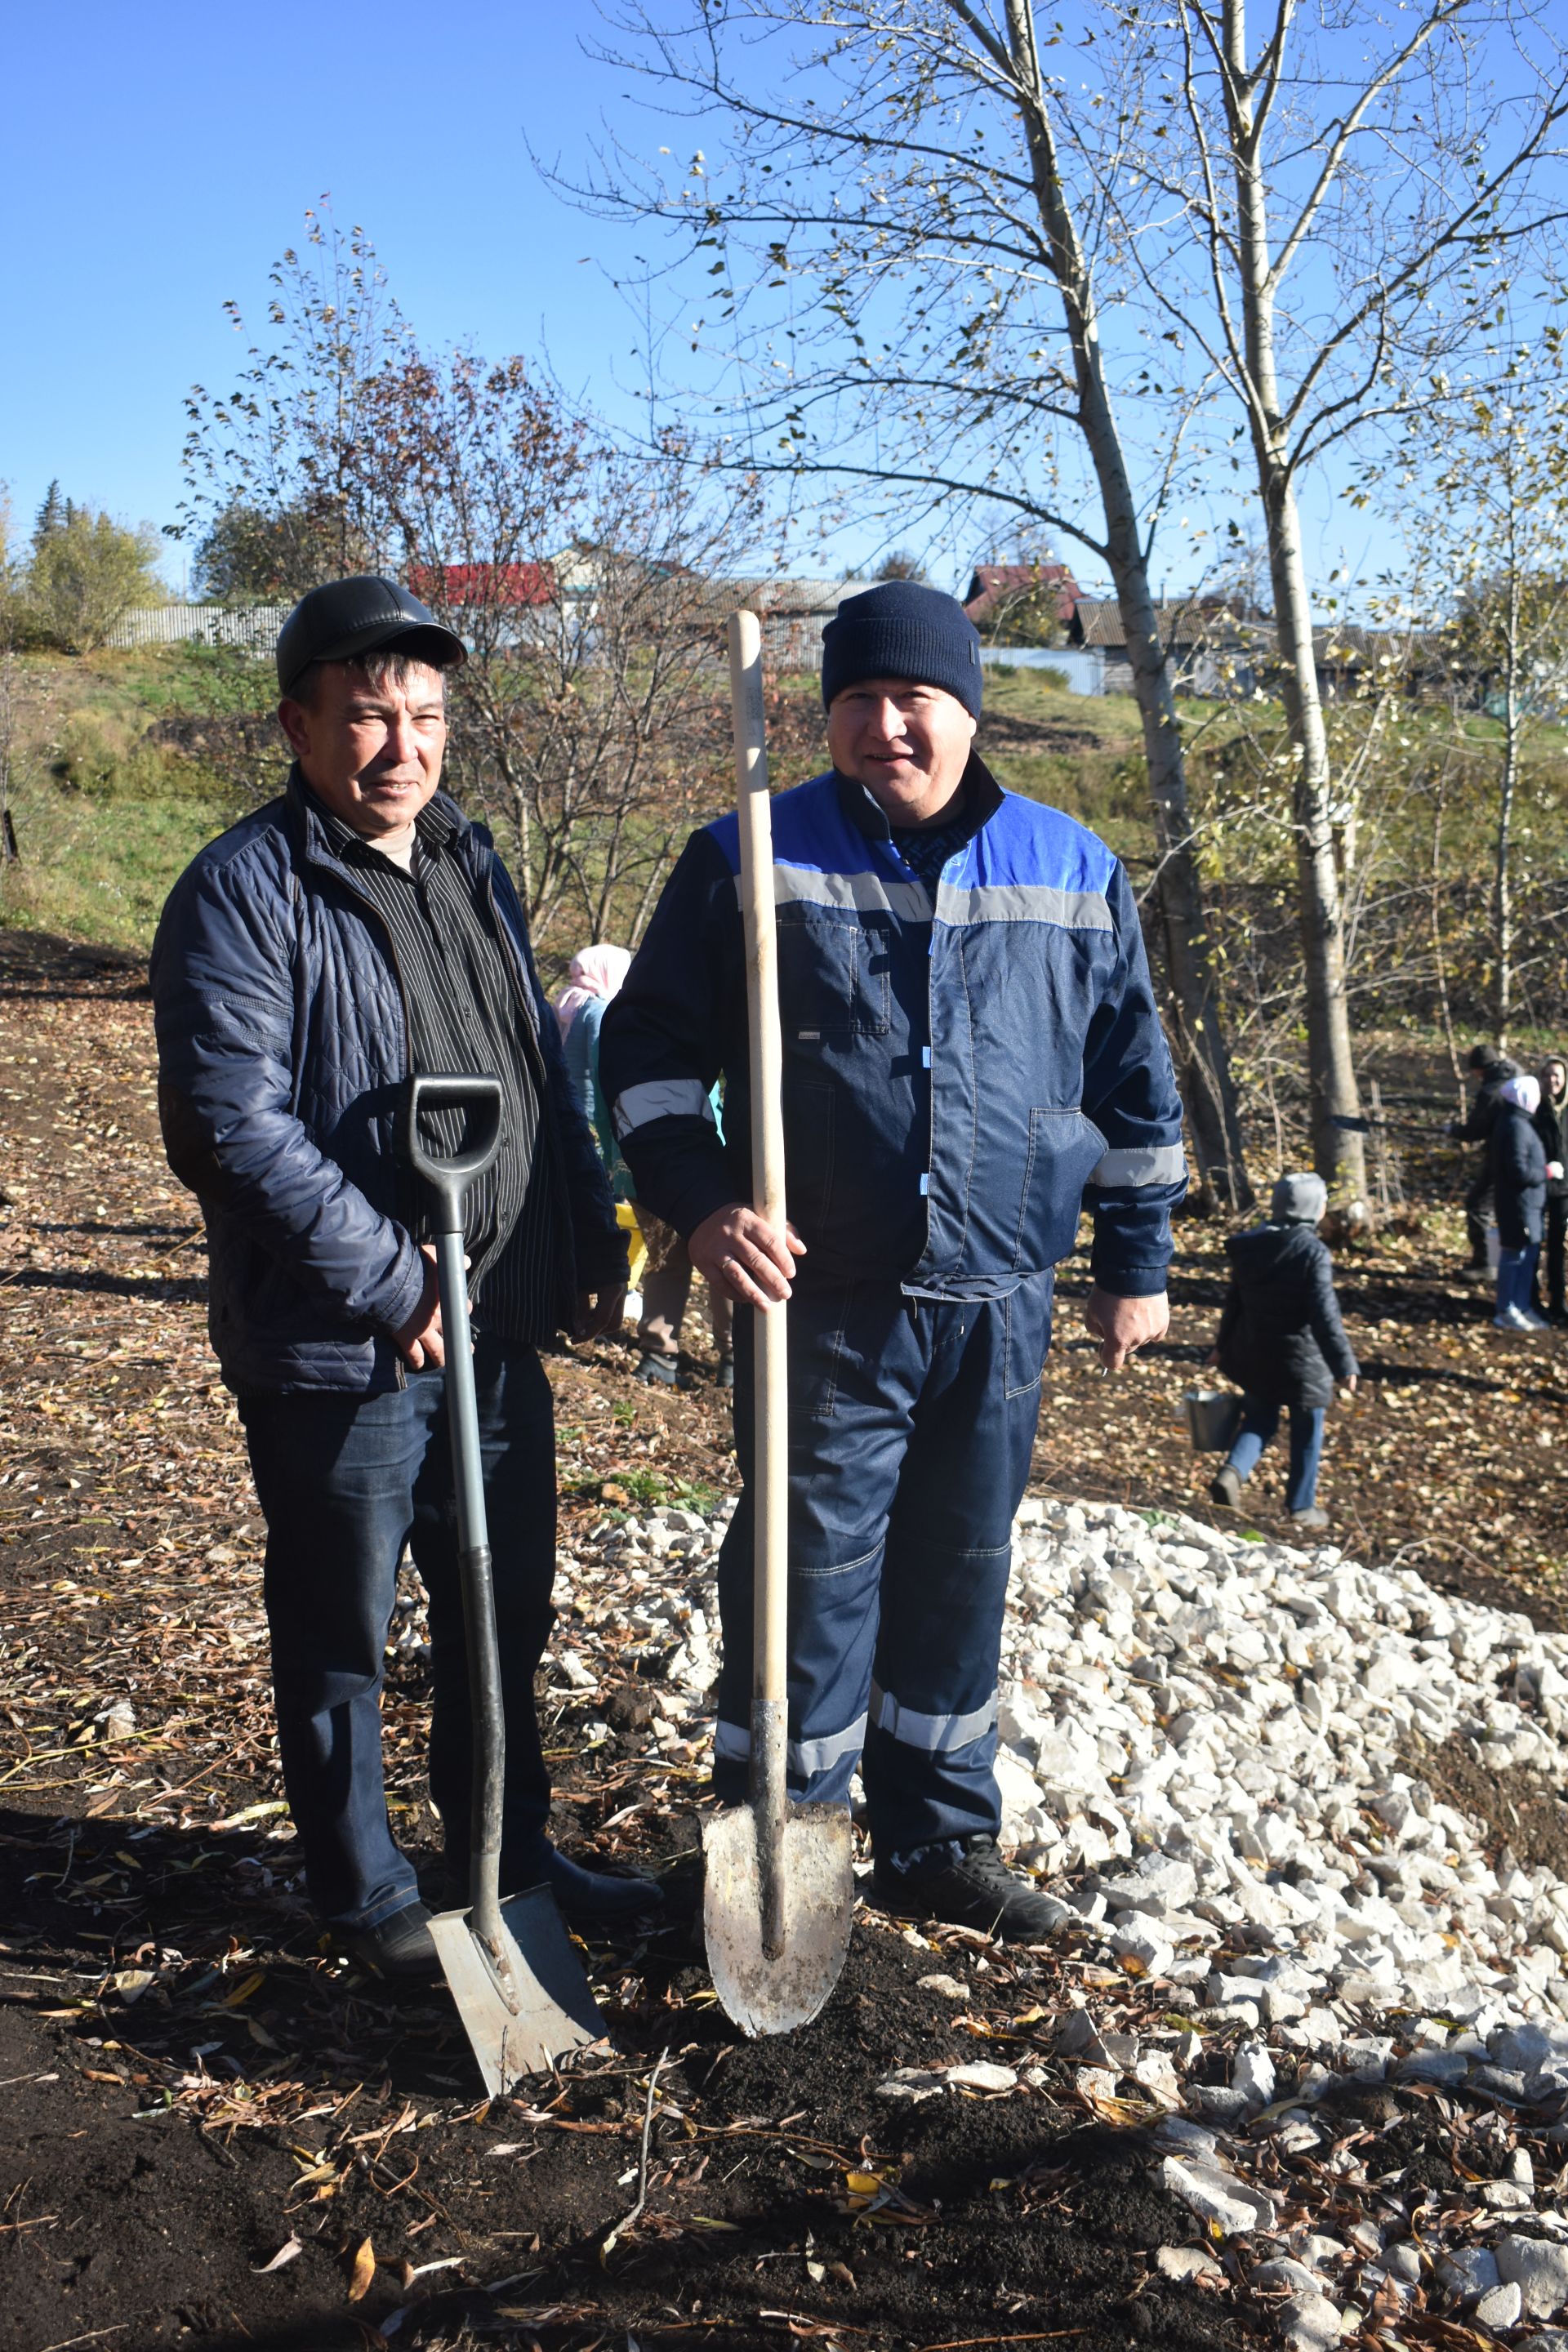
<point>190,2086</point>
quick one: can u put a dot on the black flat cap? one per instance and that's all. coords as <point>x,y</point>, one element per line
<point>346,618</point>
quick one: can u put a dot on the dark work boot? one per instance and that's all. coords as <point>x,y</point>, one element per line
<point>401,1947</point>
<point>1224,1489</point>
<point>976,1890</point>
<point>659,1371</point>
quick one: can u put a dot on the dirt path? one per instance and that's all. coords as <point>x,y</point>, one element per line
<point>208,2122</point>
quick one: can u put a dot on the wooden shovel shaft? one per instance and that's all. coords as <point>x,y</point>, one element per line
<point>770,1480</point>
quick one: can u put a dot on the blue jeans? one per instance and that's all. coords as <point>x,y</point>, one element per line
<point>911,1428</point>
<point>344,1482</point>
<point>1516,1277</point>
<point>1258,1423</point>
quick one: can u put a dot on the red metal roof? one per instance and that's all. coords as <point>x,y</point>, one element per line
<point>456,584</point>
<point>998,583</point>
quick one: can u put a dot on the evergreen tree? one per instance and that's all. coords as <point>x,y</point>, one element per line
<point>53,516</point>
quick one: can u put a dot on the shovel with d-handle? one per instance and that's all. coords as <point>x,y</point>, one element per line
<point>519,1985</point>
<point>779,1894</point>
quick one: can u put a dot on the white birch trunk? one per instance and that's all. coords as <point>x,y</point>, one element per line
<point>1338,1152</point>
<point>1207,1087</point>
<point>1502,878</point>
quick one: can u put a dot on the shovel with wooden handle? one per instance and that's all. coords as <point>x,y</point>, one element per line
<point>510,1967</point>
<point>779,1892</point>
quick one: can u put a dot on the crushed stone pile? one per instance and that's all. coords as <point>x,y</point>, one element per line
<point>1206,1745</point>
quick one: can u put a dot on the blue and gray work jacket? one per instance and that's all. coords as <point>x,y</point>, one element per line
<point>957,1075</point>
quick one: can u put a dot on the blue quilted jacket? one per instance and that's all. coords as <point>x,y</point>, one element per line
<point>283,1043</point>
<point>959,1076</point>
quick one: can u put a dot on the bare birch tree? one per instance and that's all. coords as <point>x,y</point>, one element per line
<point>1496,523</point>
<point>937,347</point>
<point>1315,197</point>
<point>586,724</point>
<point>583,721</point>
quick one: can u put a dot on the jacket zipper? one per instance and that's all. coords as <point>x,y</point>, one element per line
<point>541,1076</point>
<point>370,908</point>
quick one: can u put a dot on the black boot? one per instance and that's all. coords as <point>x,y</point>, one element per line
<point>401,1947</point>
<point>978,1890</point>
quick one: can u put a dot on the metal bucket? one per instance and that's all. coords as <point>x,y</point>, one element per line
<point>1213,1417</point>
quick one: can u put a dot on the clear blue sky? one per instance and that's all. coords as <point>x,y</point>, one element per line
<point>159,159</point>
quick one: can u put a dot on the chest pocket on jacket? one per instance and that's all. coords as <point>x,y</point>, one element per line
<point>833,975</point>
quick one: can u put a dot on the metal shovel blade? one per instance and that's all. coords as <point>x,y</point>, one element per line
<point>555,2011</point>
<point>774,1996</point>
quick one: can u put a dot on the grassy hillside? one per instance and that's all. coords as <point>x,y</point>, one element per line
<point>105,813</point>
<point>124,764</point>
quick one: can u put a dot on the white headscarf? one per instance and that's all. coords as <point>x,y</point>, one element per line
<point>1523,1092</point>
<point>595,972</point>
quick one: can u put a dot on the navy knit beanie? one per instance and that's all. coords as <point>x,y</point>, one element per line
<point>899,629</point>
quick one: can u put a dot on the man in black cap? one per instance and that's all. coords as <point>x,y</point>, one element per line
<point>972,1055</point>
<point>354,930</point>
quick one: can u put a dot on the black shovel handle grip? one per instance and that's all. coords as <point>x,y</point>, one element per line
<point>479,1100</point>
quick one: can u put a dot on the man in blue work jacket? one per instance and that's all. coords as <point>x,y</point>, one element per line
<point>971,1046</point>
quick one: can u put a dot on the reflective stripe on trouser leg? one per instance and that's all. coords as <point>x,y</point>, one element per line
<point>818,1769</point>
<point>848,1434</point>
<point>912,1423</point>
<point>931,1745</point>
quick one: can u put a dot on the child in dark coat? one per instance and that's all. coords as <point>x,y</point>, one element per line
<point>1520,1173</point>
<point>1283,1342</point>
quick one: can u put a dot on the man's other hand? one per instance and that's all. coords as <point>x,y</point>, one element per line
<point>744,1257</point>
<point>1122,1326</point>
<point>420,1342</point>
<point>599,1312</point>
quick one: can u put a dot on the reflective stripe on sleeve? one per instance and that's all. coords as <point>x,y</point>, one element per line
<point>662,1098</point>
<point>1162,1164</point>
<point>934,1735</point>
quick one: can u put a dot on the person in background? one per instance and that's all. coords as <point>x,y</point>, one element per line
<point>666,1288</point>
<point>1520,1173</point>
<point>1494,1071</point>
<point>594,979</point>
<point>1282,1341</point>
<point>1549,1123</point>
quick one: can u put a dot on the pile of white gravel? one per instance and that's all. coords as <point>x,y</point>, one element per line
<point>1201,1737</point>
<point>1212,1727</point>
<point>1206,1751</point>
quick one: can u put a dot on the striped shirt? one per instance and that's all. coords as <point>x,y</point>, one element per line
<point>466,1018</point>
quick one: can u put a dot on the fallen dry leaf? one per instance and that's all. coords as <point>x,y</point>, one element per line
<point>364,2271</point>
<point>285,2254</point>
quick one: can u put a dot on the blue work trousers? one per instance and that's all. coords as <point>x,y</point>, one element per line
<point>911,1425</point>
<point>1258,1423</point>
<point>344,1483</point>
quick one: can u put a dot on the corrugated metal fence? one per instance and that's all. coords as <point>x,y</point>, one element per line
<point>252,627</point>
<point>791,641</point>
